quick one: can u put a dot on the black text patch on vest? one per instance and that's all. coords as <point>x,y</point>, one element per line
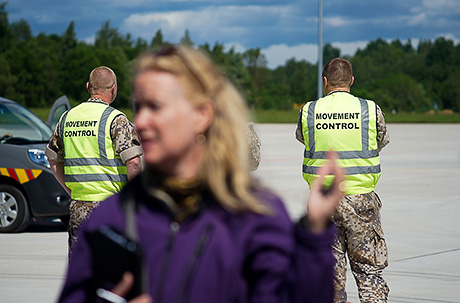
<point>336,125</point>
<point>79,133</point>
<point>336,116</point>
<point>80,123</point>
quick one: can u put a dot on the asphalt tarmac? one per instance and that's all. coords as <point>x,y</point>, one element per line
<point>419,189</point>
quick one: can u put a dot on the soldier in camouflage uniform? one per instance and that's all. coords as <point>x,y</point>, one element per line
<point>125,144</point>
<point>360,233</point>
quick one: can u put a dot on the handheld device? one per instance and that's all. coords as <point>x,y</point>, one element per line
<point>112,255</point>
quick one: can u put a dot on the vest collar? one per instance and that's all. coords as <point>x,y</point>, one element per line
<point>338,91</point>
<point>96,99</point>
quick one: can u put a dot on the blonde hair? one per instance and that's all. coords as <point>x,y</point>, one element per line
<point>225,169</point>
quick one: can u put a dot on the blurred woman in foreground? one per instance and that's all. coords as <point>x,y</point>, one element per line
<point>208,230</point>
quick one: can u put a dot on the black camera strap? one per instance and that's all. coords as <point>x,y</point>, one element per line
<point>130,217</point>
<point>131,232</point>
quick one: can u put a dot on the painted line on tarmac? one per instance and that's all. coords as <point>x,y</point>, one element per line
<point>428,255</point>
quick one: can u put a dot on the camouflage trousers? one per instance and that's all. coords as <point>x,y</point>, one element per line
<point>360,236</point>
<point>79,212</point>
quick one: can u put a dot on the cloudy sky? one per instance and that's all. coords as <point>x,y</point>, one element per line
<point>282,29</point>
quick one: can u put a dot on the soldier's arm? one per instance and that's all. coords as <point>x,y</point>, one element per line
<point>383,137</point>
<point>298,131</point>
<point>58,171</point>
<point>127,144</point>
<point>54,152</point>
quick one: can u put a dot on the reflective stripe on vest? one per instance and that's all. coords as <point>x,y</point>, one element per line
<point>362,165</point>
<point>95,177</point>
<point>95,171</point>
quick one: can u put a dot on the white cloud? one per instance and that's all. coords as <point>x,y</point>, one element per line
<point>239,48</point>
<point>335,22</point>
<point>251,23</point>
<point>278,54</point>
<point>417,19</point>
<point>441,6</point>
<point>213,23</point>
<point>450,37</point>
<point>349,48</point>
<point>90,40</point>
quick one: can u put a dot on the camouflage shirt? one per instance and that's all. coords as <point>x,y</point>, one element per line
<point>124,136</point>
<point>254,147</point>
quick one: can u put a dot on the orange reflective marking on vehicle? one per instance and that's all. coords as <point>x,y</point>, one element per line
<point>4,172</point>
<point>36,172</point>
<point>20,174</point>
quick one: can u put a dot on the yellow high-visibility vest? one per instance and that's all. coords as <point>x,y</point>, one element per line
<point>92,169</point>
<point>347,125</point>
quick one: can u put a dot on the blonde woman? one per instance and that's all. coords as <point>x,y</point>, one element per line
<point>209,232</point>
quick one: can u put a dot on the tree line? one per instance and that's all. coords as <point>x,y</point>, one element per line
<point>35,70</point>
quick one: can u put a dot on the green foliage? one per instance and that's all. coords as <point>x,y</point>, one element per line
<point>35,70</point>
<point>186,39</point>
<point>157,41</point>
<point>398,92</point>
<point>21,30</point>
<point>275,116</point>
<point>422,118</point>
<point>330,52</point>
<point>68,40</point>
<point>6,34</point>
<point>7,80</point>
<point>75,69</point>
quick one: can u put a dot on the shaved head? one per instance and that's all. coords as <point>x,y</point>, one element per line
<point>101,79</point>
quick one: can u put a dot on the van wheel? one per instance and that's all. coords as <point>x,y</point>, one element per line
<point>14,212</point>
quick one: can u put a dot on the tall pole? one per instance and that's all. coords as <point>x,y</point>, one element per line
<point>320,48</point>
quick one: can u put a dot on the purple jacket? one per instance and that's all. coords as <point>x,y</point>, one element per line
<point>246,257</point>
